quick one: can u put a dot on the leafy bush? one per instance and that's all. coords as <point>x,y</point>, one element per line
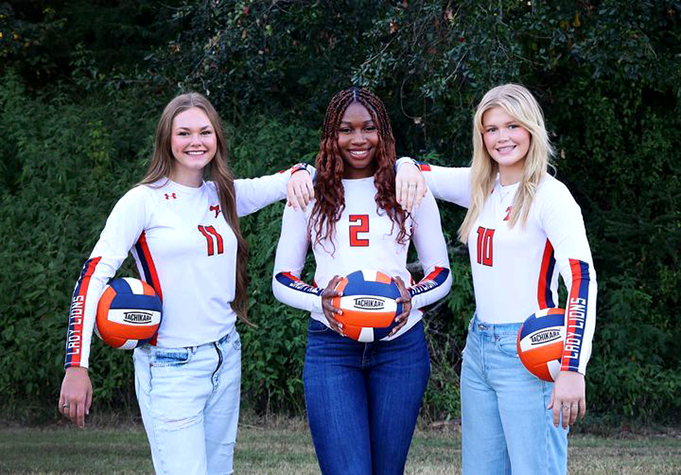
<point>606,73</point>
<point>70,163</point>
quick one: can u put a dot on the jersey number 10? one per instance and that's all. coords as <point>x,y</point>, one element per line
<point>485,246</point>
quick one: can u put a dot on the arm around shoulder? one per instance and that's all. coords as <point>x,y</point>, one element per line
<point>253,194</point>
<point>446,183</point>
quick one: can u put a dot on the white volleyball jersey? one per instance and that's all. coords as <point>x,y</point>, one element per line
<point>183,248</point>
<point>515,270</point>
<point>364,238</point>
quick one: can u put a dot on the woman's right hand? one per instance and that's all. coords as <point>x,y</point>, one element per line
<point>76,395</point>
<point>410,186</point>
<point>330,312</point>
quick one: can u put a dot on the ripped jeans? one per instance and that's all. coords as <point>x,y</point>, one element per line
<point>189,400</point>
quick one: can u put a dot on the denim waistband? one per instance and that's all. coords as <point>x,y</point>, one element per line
<point>222,340</point>
<point>226,338</point>
<point>478,326</point>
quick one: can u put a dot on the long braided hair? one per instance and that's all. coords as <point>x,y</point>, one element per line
<point>329,191</point>
<point>162,166</point>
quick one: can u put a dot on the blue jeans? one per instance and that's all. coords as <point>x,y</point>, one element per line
<point>189,400</point>
<point>506,427</point>
<point>363,399</point>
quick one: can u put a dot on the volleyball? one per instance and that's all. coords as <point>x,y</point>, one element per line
<point>540,343</point>
<point>368,305</point>
<point>128,313</point>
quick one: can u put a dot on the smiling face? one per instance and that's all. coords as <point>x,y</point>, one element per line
<point>507,142</point>
<point>358,142</point>
<point>193,143</point>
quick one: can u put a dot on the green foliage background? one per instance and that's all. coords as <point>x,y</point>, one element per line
<point>83,82</point>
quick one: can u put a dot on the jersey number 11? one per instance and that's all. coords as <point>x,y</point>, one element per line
<point>214,245</point>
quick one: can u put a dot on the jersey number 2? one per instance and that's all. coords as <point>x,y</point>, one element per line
<point>214,245</point>
<point>485,246</point>
<point>362,226</point>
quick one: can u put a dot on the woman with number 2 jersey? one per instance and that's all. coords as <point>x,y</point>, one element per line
<point>523,228</point>
<point>184,235</point>
<point>362,399</point>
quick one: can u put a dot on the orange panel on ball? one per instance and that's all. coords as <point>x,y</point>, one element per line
<point>340,286</point>
<point>364,319</point>
<point>352,331</point>
<point>104,303</point>
<point>535,360</point>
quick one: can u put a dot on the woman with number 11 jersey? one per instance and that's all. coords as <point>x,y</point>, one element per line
<point>362,398</point>
<point>184,235</point>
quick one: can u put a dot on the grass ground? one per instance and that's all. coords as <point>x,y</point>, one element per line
<point>285,448</point>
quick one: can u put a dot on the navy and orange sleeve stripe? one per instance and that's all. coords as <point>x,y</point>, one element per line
<point>290,281</point>
<point>147,264</point>
<point>546,273</point>
<point>150,275</point>
<point>74,336</point>
<point>292,291</point>
<point>576,315</point>
<point>430,282</point>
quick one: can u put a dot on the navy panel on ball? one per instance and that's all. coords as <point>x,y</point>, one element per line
<point>120,286</point>
<point>534,324</point>
<point>141,302</point>
<point>358,286</point>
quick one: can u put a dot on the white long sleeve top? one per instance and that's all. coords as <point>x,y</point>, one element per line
<point>183,248</point>
<point>364,238</point>
<point>515,270</point>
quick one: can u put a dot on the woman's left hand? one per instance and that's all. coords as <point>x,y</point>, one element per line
<point>299,190</point>
<point>568,397</point>
<point>405,300</point>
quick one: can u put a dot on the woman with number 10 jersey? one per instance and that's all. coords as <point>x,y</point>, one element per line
<point>362,399</point>
<point>184,235</point>
<point>523,228</point>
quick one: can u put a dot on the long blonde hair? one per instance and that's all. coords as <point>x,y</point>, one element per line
<point>329,190</point>
<point>163,163</point>
<point>519,103</point>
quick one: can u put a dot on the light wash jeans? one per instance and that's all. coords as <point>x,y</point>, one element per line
<point>189,399</point>
<point>506,427</point>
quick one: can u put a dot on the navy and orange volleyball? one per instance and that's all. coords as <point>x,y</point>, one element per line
<point>128,313</point>
<point>540,343</point>
<point>369,305</point>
